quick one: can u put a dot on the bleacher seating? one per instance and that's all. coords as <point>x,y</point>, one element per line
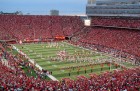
<point>21,27</point>
<point>116,22</point>
<point>35,26</point>
<point>120,39</point>
<point>118,80</point>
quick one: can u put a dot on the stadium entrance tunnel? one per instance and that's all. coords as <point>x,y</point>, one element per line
<point>67,38</point>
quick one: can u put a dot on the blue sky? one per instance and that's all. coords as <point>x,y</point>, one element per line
<point>44,6</point>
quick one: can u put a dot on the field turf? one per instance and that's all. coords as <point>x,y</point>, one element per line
<point>44,54</point>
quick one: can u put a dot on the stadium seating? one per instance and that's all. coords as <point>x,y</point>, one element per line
<point>12,77</point>
<point>120,39</point>
<point>115,45</point>
<point>118,80</point>
<point>116,22</point>
<point>22,27</point>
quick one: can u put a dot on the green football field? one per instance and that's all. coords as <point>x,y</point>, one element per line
<point>65,60</point>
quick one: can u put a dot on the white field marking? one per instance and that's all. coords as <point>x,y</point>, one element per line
<point>37,56</point>
<point>62,70</point>
<point>48,62</point>
<point>52,77</point>
<point>42,58</point>
<point>54,65</point>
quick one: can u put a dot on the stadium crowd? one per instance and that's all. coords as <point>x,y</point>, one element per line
<point>22,27</point>
<point>117,22</point>
<point>125,40</point>
<point>117,42</point>
<point>125,80</point>
<point>13,78</point>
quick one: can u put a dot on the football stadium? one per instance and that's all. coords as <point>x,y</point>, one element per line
<point>99,51</point>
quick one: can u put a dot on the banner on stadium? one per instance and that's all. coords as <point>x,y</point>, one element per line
<point>60,37</point>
